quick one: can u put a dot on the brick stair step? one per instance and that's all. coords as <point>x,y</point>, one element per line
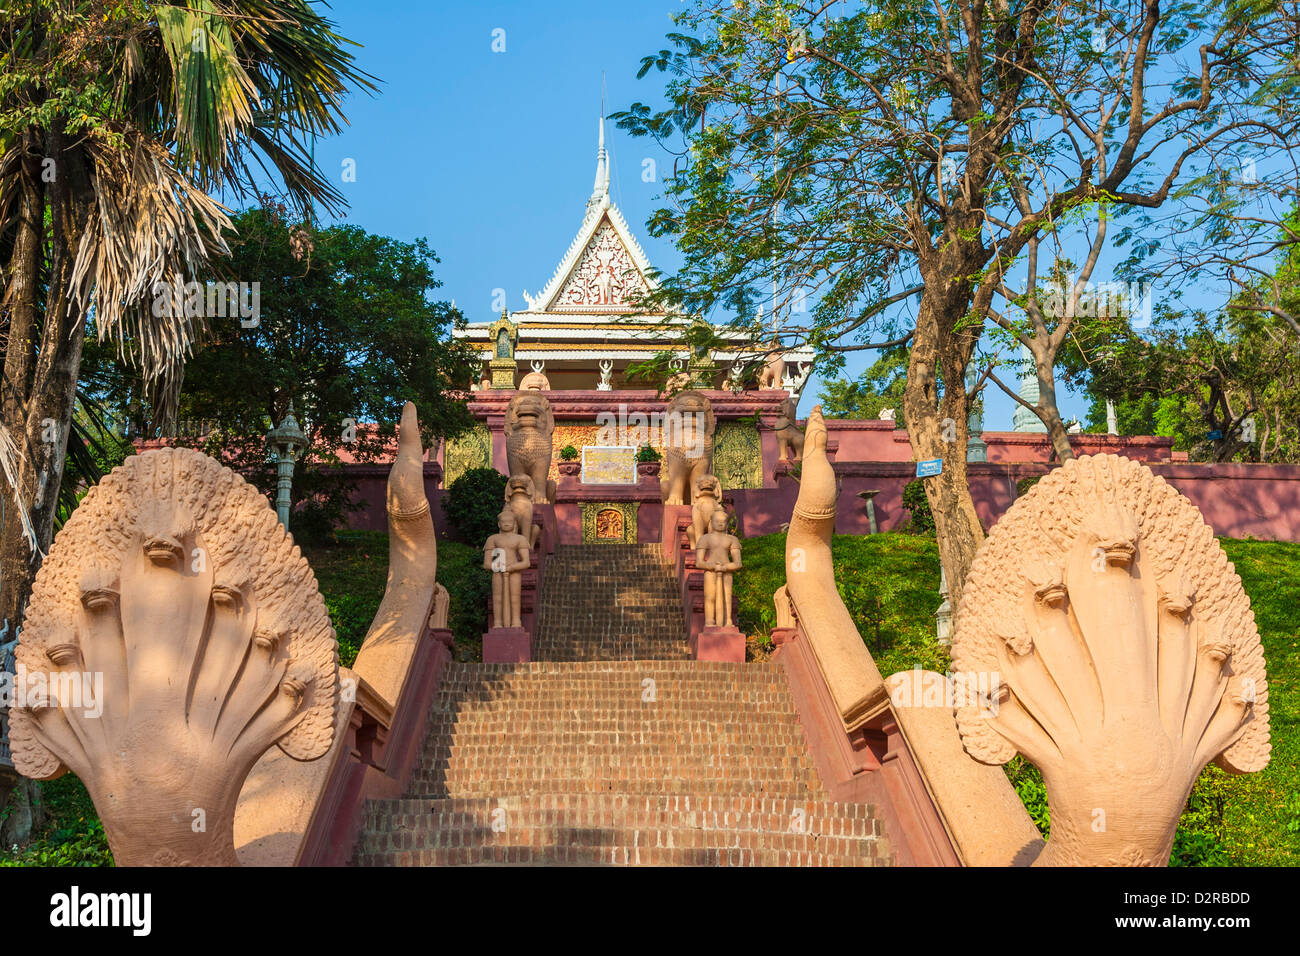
<point>578,832</point>
<point>635,784</point>
<point>648,854</point>
<point>662,810</point>
<point>582,769</point>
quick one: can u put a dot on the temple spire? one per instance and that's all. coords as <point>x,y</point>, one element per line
<point>600,190</point>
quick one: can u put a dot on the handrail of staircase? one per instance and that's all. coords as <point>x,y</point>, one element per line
<point>940,806</point>
<point>310,814</point>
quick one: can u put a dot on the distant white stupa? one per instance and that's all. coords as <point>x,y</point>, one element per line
<point>1024,420</point>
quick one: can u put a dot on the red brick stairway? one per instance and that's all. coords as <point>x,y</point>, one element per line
<point>615,761</point>
<point>610,602</point>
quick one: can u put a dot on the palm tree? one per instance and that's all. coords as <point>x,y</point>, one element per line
<point>122,126</point>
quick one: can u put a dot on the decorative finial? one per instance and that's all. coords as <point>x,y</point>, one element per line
<point>600,189</point>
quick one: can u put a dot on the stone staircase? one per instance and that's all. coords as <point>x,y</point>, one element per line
<point>606,760</point>
<point>610,602</point>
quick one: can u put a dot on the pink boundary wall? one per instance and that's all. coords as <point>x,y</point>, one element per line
<point>1238,500</point>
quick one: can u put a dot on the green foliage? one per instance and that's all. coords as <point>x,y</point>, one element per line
<point>647,453</point>
<point>72,835</point>
<point>918,505</point>
<point>461,572</point>
<point>888,580</point>
<point>1224,385</point>
<point>568,453</point>
<point>349,333</point>
<point>473,502</point>
<point>1024,484</point>
<point>1028,783</point>
<point>879,387</point>
<point>352,573</point>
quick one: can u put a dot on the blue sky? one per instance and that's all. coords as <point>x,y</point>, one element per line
<point>490,155</point>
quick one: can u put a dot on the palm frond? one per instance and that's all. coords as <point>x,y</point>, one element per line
<point>213,97</point>
<point>152,232</point>
<point>92,447</point>
<point>10,457</point>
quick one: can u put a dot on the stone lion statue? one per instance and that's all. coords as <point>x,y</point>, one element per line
<point>528,426</point>
<point>535,382</point>
<point>773,373</point>
<point>789,436</point>
<point>688,446</point>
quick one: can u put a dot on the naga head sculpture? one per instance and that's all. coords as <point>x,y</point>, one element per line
<point>175,633</point>
<point>1103,634</point>
<point>529,409</point>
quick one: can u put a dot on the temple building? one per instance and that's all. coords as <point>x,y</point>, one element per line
<point>576,342</point>
<point>587,325</point>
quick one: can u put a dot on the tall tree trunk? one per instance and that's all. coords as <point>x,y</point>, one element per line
<point>939,431</point>
<point>22,304</point>
<point>1049,412</point>
<point>42,423</point>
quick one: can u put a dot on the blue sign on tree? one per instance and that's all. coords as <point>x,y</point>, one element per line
<point>930,468</point>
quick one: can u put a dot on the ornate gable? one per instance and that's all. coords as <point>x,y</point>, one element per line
<point>604,277</point>
<point>601,271</point>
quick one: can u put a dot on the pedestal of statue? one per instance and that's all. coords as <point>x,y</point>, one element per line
<point>507,645</point>
<point>675,520</point>
<point>714,643</point>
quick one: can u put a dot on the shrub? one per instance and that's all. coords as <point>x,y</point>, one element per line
<point>351,613</point>
<point>473,502</point>
<point>72,834</point>
<point>918,505</point>
<point>460,571</point>
<point>352,573</point>
<point>568,453</point>
<point>1028,783</point>
<point>1024,484</point>
<point>647,453</point>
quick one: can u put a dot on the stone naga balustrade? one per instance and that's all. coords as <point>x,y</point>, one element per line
<point>385,654</point>
<point>1103,634</point>
<point>175,633</point>
<point>181,662</point>
<point>310,814</point>
<point>939,806</point>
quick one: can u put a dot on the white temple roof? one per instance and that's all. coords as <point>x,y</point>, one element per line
<point>589,304</point>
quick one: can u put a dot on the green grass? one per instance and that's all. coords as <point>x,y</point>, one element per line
<point>353,573</point>
<point>886,580</point>
<point>1255,817</point>
<point>889,580</point>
